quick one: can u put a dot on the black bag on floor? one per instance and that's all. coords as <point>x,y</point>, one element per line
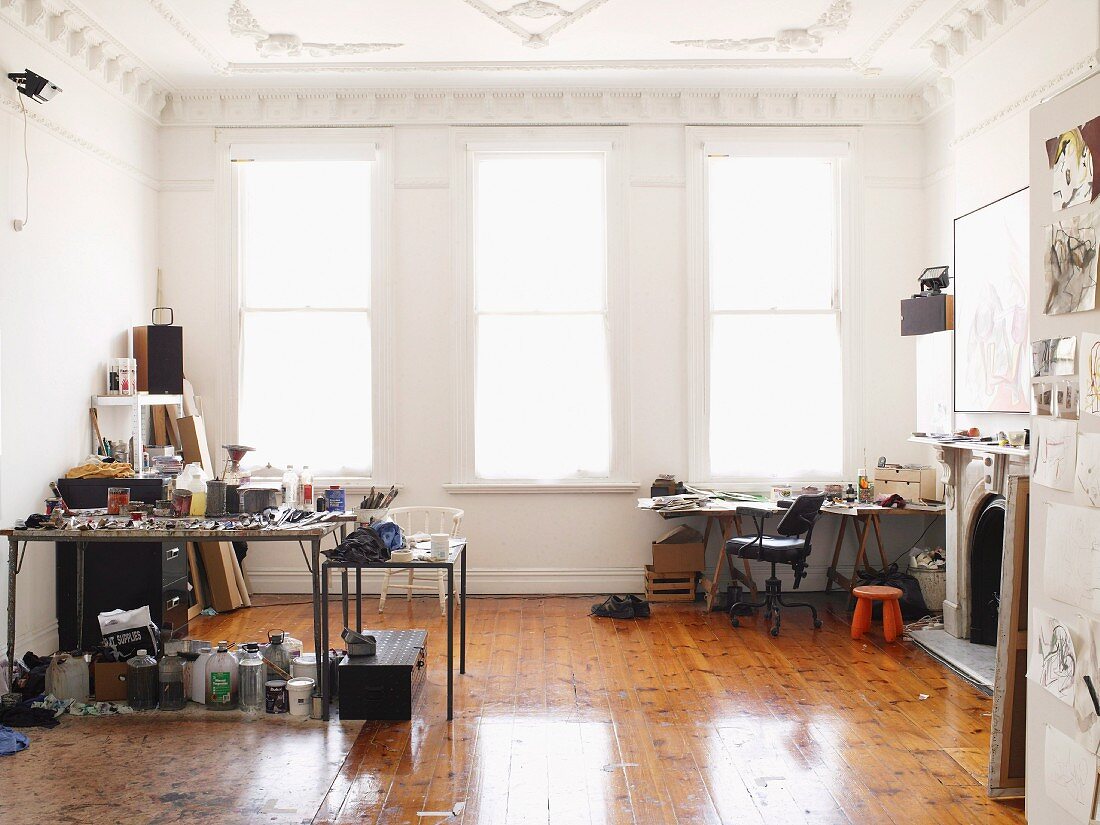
<point>912,602</point>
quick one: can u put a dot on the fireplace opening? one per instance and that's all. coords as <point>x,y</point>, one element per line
<point>987,542</point>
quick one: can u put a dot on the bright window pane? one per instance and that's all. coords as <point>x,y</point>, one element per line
<point>772,232</point>
<point>782,421</point>
<point>305,238</point>
<point>540,233</point>
<point>300,404</point>
<point>543,403</point>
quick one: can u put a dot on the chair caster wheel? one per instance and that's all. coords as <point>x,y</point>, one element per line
<point>735,621</point>
<point>775,631</point>
<point>817,624</point>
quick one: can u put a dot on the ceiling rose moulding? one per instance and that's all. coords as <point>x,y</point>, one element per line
<point>969,28</point>
<point>863,61</point>
<point>498,106</point>
<point>67,31</point>
<point>243,24</point>
<point>833,20</point>
<point>535,10</point>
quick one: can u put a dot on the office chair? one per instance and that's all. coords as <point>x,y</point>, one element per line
<point>791,546</point>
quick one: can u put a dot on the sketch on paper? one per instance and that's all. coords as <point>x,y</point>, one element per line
<point>1069,265</point>
<point>1054,356</point>
<point>1067,399</point>
<point>1054,660</point>
<point>1089,370</point>
<point>1054,453</point>
<point>1072,158</point>
<point>1070,774</point>
<point>992,347</point>
<point>1071,566</point>
<point>1041,403</point>
<point>1088,466</point>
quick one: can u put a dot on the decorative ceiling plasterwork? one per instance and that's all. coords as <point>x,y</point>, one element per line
<point>969,27</point>
<point>834,19</point>
<point>73,35</point>
<point>535,10</point>
<point>243,24</point>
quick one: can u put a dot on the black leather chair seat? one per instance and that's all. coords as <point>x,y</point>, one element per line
<point>778,549</point>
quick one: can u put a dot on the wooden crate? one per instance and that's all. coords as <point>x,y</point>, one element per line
<point>669,587</point>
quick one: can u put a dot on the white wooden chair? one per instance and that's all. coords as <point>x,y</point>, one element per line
<point>422,520</point>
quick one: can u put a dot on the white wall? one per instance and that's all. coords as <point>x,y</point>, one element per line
<point>79,275</point>
<point>564,542</point>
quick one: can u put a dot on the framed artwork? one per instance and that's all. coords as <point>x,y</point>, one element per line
<point>993,355</point>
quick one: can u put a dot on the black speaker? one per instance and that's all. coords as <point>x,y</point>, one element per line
<point>919,316</point>
<point>159,354</point>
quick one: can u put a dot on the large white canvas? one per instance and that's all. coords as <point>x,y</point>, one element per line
<point>992,350</point>
<point>1088,467</point>
<point>1069,772</point>
<point>1071,565</point>
<point>1054,453</point>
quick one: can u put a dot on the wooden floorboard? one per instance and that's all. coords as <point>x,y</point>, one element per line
<point>681,718</point>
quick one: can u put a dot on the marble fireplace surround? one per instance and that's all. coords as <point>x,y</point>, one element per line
<point>972,474</point>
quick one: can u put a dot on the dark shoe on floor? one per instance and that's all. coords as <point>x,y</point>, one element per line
<point>614,607</point>
<point>641,607</point>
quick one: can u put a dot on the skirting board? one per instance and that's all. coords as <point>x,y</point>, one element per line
<point>515,580</point>
<point>41,642</point>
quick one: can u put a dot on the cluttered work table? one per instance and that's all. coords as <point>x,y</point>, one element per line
<point>723,516</point>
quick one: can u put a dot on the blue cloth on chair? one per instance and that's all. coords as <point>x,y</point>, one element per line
<point>390,533</point>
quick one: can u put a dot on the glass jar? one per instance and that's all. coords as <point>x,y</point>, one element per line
<point>251,679</point>
<point>172,695</point>
<point>142,688</point>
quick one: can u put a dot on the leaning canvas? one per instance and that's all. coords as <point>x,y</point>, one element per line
<point>1072,157</point>
<point>1069,265</point>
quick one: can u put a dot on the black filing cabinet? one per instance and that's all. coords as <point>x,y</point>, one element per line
<point>118,575</point>
<point>386,685</point>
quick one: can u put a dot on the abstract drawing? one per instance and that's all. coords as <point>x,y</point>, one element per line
<point>1069,774</point>
<point>1069,265</point>
<point>1054,659</point>
<point>1089,370</point>
<point>1054,453</point>
<point>992,349</point>
<point>1072,157</point>
<point>1071,566</point>
<point>1088,466</point>
<point>1054,356</point>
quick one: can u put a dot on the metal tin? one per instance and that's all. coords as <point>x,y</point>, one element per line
<point>334,499</point>
<point>275,696</point>
<point>258,499</point>
<point>215,498</point>
<point>51,503</point>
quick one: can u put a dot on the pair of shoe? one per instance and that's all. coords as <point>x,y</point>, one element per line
<point>622,607</point>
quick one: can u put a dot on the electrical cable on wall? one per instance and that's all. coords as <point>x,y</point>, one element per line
<point>40,90</point>
<point>20,224</point>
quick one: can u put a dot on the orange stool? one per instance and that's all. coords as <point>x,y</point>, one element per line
<point>891,610</point>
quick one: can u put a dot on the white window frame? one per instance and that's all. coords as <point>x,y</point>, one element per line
<point>305,143</point>
<point>467,144</point>
<point>843,144</point>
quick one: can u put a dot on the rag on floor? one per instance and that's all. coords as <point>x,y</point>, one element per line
<point>12,741</point>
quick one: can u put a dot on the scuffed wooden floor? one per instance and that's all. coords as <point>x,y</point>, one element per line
<point>562,718</point>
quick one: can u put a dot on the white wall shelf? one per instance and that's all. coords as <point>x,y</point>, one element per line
<point>136,403</point>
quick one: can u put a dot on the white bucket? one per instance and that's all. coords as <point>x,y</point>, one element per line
<point>299,690</point>
<point>305,666</point>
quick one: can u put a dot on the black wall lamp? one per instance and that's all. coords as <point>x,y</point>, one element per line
<point>34,86</point>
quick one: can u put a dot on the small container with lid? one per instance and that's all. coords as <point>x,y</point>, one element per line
<point>142,681</point>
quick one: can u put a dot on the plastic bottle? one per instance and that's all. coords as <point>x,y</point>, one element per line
<point>305,487</point>
<point>252,678</point>
<point>142,688</point>
<point>67,677</point>
<point>172,696</point>
<point>290,486</point>
<point>279,654</point>
<point>221,679</point>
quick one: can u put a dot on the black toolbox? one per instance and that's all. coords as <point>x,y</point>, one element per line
<point>386,685</point>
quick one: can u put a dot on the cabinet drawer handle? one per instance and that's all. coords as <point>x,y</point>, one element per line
<point>172,602</point>
<point>171,554</point>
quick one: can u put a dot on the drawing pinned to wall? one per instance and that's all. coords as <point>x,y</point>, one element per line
<point>1089,370</point>
<point>1071,565</point>
<point>1054,453</point>
<point>1069,265</point>
<point>1088,467</point>
<point>991,308</point>
<point>1054,658</point>
<point>1054,356</point>
<point>1072,157</point>
<point>1069,774</point>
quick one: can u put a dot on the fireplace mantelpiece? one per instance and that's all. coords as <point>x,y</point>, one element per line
<point>972,472</point>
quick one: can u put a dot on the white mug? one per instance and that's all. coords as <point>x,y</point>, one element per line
<point>441,546</point>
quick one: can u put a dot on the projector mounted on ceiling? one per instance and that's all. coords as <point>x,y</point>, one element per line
<point>34,86</point>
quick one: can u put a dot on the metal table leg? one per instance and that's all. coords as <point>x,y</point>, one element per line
<point>320,616</point>
<point>13,561</point>
<point>344,594</point>
<point>359,599</point>
<point>462,617</point>
<point>322,661</point>
<point>80,548</point>
<point>450,640</point>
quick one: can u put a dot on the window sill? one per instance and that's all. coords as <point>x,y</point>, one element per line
<point>479,487</point>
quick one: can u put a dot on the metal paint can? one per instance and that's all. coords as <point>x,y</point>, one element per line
<point>51,503</point>
<point>334,499</point>
<point>215,498</point>
<point>275,696</point>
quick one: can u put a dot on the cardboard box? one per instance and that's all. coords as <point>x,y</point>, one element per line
<point>110,681</point>
<point>196,449</point>
<point>680,550</point>
<point>218,561</point>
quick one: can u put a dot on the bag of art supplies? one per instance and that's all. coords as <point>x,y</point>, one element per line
<point>128,631</point>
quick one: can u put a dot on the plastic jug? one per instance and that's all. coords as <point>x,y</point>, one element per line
<point>198,676</point>
<point>142,682</point>
<point>281,649</point>
<point>67,677</point>
<point>172,695</point>
<point>193,479</point>
<point>221,679</point>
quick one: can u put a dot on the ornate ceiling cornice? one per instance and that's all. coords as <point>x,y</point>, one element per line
<point>285,44</point>
<point>969,27</point>
<point>535,10</point>
<point>810,39</point>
